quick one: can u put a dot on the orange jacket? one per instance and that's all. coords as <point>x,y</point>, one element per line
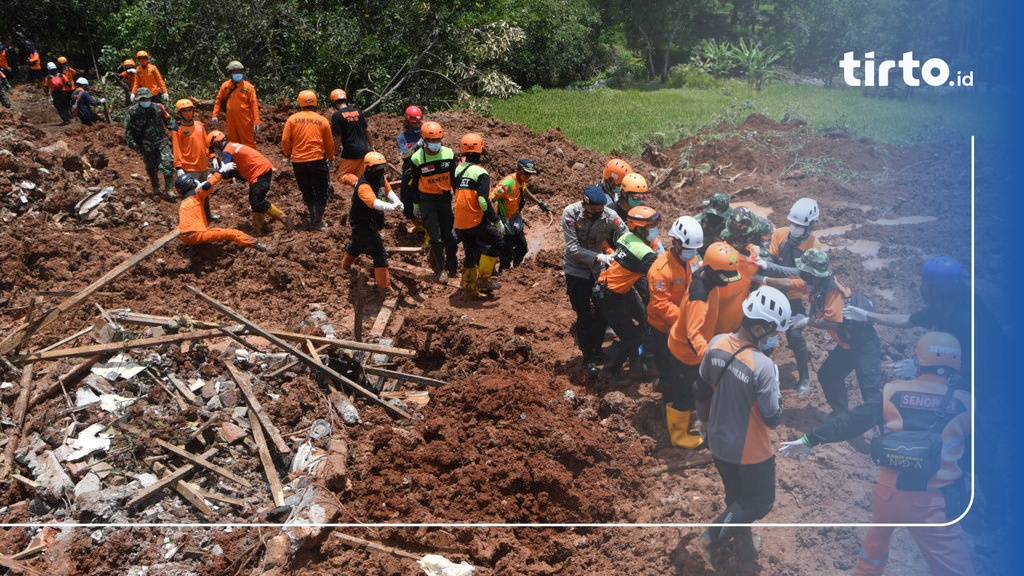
<point>3,59</point>
<point>190,151</point>
<point>34,62</point>
<point>191,216</point>
<point>730,303</point>
<point>307,137</point>
<point>149,76</point>
<point>668,281</point>
<point>69,74</point>
<point>248,161</point>
<point>830,307</point>
<point>694,327</point>
<point>240,109</point>
<point>780,236</point>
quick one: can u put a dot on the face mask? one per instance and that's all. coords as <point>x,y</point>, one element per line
<point>797,231</point>
<point>433,147</point>
<point>687,255</point>
<point>767,345</point>
<point>633,201</point>
<point>652,234</point>
<point>145,103</point>
<point>592,215</point>
<point>237,77</point>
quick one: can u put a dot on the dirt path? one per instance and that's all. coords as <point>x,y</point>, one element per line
<point>504,441</point>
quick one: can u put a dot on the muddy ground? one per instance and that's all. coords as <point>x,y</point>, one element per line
<point>502,442</point>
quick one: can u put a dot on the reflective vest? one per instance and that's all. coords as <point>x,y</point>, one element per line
<point>466,204</point>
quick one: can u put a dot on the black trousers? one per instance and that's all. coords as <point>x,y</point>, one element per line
<point>864,356</point>
<point>366,240</point>
<point>749,494</point>
<point>590,321</point>
<point>515,247</point>
<point>62,102</point>
<point>259,189</point>
<point>626,315</point>
<point>795,339</point>
<point>480,240</point>
<point>438,219</point>
<point>313,180</point>
<point>681,391</point>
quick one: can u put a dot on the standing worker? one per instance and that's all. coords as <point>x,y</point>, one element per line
<point>35,64</point>
<point>589,228</point>
<point>255,169</point>
<point>633,192</point>
<point>476,222</point>
<point>789,243</point>
<point>408,141</point>
<point>351,137</point>
<point>929,405</point>
<point>192,223</point>
<point>236,102</point>
<point>148,76</point>
<point>738,400</point>
<point>611,180</point>
<point>54,85</point>
<point>307,142</point>
<point>191,146</point>
<point>370,199</point>
<point>714,217</point>
<point>145,129</point>
<point>428,183</point>
<point>70,75</point>
<point>508,199</point>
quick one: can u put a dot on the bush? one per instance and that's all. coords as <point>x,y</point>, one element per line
<point>698,79</point>
<point>628,74</point>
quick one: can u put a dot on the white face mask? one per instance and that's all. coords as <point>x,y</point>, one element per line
<point>797,231</point>
<point>434,147</point>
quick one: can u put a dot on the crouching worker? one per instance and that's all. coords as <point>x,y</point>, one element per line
<point>192,222</point>
<point>372,197</point>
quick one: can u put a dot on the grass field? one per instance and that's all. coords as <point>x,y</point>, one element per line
<point>616,120</point>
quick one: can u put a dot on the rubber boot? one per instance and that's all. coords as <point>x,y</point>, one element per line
<point>803,384</point>
<point>347,260</point>
<point>318,215</point>
<point>382,278</point>
<point>169,187</point>
<point>436,258</point>
<point>259,221</point>
<point>486,282</point>
<point>469,282</point>
<point>154,181</point>
<point>275,213</point>
<point>679,429</point>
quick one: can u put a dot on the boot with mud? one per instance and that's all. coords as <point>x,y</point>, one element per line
<point>275,213</point>
<point>154,182</point>
<point>261,247</point>
<point>487,283</point>
<point>211,216</point>
<point>803,384</point>
<point>169,188</point>
<point>259,223</point>
<point>382,279</point>
<point>470,286</point>
<point>680,430</point>
<point>316,214</point>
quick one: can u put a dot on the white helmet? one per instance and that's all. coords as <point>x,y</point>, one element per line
<point>804,212</point>
<point>688,231</point>
<point>82,82</point>
<point>768,304</point>
<point>51,66</point>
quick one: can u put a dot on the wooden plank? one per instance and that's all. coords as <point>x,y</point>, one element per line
<point>292,364</point>
<point>119,346</point>
<point>380,324</point>
<point>276,491</point>
<point>186,491</point>
<point>17,567</point>
<point>168,322</point>
<point>360,543</point>
<point>403,376</point>
<point>67,380</point>
<point>78,334</point>
<point>29,552</point>
<point>20,409</point>
<point>166,481</point>
<point>182,388</point>
<point>405,249</point>
<point>201,461</point>
<point>306,359</point>
<point>242,380</point>
<point>25,331</point>
<point>217,496</point>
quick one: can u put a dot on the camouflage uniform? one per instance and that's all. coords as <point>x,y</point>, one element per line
<point>744,227</point>
<point>145,129</point>
<point>713,228</point>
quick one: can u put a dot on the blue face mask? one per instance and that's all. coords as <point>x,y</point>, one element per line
<point>687,255</point>
<point>652,233</point>
<point>433,147</point>
<point>145,103</point>
<point>767,345</point>
<point>237,77</point>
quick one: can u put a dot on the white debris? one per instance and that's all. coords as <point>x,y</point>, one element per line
<point>114,402</point>
<point>89,440</point>
<point>119,366</point>
<point>437,565</point>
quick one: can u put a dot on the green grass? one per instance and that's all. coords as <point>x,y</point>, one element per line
<point>622,120</point>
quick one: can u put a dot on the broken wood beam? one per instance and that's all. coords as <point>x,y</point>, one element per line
<point>278,371</point>
<point>25,331</point>
<point>20,408</point>
<point>403,376</point>
<point>119,346</point>
<point>182,388</point>
<point>186,491</point>
<point>152,320</point>
<point>78,334</point>
<point>17,567</point>
<point>242,381</point>
<point>360,543</point>
<point>304,358</point>
<point>276,491</point>
<point>67,380</point>
<point>166,481</point>
<point>201,461</point>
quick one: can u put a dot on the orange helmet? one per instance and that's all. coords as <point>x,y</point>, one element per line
<point>722,257</point>
<point>62,60</point>
<point>634,183</point>
<point>142,54</point>
<point>615,170</point>
<point>183,104</point>
<point>432,130</point>
<point>472,143</point>
<point>374,159</point>
<point>306,99</point>
<point>642,217</point>
<point>128,63</point>
<point>939,349</point>
<point>338,94</point>
<point>215,137</point>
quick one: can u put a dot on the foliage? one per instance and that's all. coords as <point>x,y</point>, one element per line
<point>755,62</point>
<point>719,59</point>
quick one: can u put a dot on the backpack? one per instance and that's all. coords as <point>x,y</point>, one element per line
<point>75,98</point>
<point>55,82</point>
<point>915,454</point>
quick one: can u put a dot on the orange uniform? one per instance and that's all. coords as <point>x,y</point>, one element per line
<point>831,309</point>
<point>190,150</point>
<point>668,280</point>
<point>34,63</point>
<point>248,161</point>
<point>3,59</point>
<point>730,314</point>
<point>149,76</point>
<point>694,327</point>
<point>194,227</point>
<point>240,108</point>
<point>69,75</point>
<point>507,196</point>
<point>796,291</point>
<point>307,137</point>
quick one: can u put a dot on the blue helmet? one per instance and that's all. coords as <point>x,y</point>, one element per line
<point>943,272</point>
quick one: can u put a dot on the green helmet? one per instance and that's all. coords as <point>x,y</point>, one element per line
<point>815,263</point>
<point>718,205</point>
<point>142,93</point>
<point>741,222</point>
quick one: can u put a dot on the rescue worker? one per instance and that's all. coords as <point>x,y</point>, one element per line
<point>611,181</point>
<point>255,169</point>
<point>738,400</point>
<point>623,292</point>
<point>83,104</point>
<point>192,223</point>
<point>70,75</point>
<point>370,199</point>
<point>789,243</point>
<point>236,102</point>
<point>35,65</point>
<point>408,141</point>
<point>927,401</point>
<point>508,199</point>
<point>60,98</point>
<point>688,340</point>
<point>148,76</point>
<point>428,183</point>
<point>126,78</point>
<point>307,142</point>
<point>190,144</point>
<point>5,61</point>
<point>5,86</point>
<point>145,129</point>
<point>857,349</point>
<point>589,228</point>
<point>744,228</point>
<point>744,232</point>
<point>714,218</point>
<point>668,281</point>
<point>476,221</point>
<point>633,192</point>
<point>351,137</point>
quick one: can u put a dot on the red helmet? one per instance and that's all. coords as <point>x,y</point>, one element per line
<point>413,115</point>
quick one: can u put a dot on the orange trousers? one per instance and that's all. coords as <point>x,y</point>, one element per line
<point>211,235</point>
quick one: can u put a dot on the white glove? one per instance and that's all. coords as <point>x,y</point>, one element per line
<point>500,227</point>
<point>758,278</point>
<point>799,322</point>
<point>379,204</point>
<point>214,120</point>
<point>795,449</point>
<point>420,143</point>
<point>702,429</point>
<point>606,259</point>
<point>855,314</point>
<point>287,161</point>
<point>133,97</point>
<point>226,167</point>
<point>103,100</point>
<point>905,369</point>
<point>179,172</point>
<point>166,98</point>
<point>400,206</point>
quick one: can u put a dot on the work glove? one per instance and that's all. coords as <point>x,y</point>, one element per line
<point>214,120</point>
<point>500,227</point>
<point>178,172</point>
<point>606,259</point>
<point>905,369</point>
<point>420,144</point>
<point>543,207</point>
<point>759,279</point>
<point>256,129</point>
<point>702,429</point>
<point>799,322</point>
<point>226,168</point>
<point>855,314</point>
<point>103,100</point>
<point>133,98</point>
<point>416,212</point>
<point>287,161</point>
<point>379,204</point>
<point>166,98</point>
<point>798,449</point>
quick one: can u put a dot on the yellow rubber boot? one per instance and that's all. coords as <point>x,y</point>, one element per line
<point>382,278</point>
<point>469,282</point>
<point>259,222</point>
<point>487,282</point>
<point>679,429</point>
